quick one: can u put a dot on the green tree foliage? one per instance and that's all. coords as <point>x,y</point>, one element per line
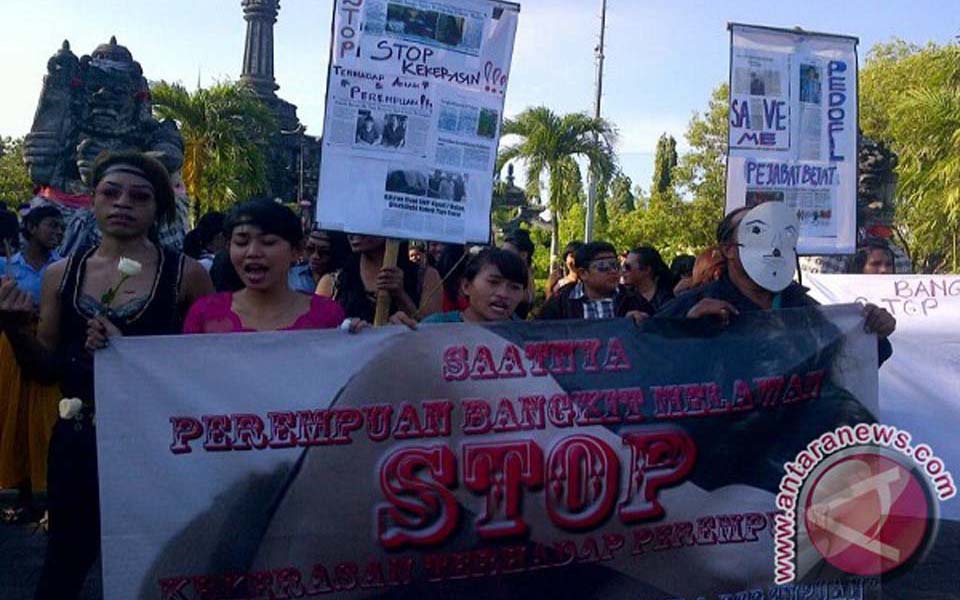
<point>910,99</point>
<point>550,145</point>
<point>620,197</point>
<point>15,185</point>
<point>701,172</point>
<point>680,217</point>
<point>687,198</point>
<point>603,219</point>
<point>663,164</point>
<point>226,132</point>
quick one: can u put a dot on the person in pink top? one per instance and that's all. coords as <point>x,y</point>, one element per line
<point>265,239</point>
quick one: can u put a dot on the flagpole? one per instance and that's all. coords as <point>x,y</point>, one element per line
<point>592,180</point>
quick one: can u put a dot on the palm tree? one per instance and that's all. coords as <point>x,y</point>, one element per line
<point>226,132</point>
<point>550,145</point>
<point>929,171</point>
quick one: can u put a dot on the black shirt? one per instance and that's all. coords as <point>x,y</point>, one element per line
<point>794,296</point>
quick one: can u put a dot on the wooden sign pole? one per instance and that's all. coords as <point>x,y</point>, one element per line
<point>383,297</point>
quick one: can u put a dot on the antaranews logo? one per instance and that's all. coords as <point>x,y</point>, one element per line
<point>863,496</point>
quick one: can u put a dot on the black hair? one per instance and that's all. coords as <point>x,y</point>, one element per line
<point>450,266</point>
<point>863,254</point>
<point>511,266</point>
<point>588,251</point>
<point>521,239</point>
<point>223,275</point>
<point>727,229</point>
<point>270,217</point>
<point>196,241</point>
<point>682,266</point>
<point>571,248</point>
<point>9,229</point>
<point>36,216</point>
<point>650,257</point>
<point>153,171</point>
<point>418,245</point>
<point>210,225</point>
<point>191,244</point>
<point>339,247</point>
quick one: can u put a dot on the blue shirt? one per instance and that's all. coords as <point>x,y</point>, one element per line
<point>454,316</point>
<point>301,280</point>
<point>28,279</point>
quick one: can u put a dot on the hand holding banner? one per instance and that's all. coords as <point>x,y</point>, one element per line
<point>465,461</point>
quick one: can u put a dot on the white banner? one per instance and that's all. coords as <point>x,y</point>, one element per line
<point>793,130</point>
<point>415,97</point>
<point>919,384</point>
<point>584,459</point>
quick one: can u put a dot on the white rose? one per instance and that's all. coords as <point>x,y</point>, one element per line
<point>129,267</point>
<point>70,408</point>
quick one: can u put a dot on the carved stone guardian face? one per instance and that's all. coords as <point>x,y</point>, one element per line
<point>87,105</point>
<point>110,97</point>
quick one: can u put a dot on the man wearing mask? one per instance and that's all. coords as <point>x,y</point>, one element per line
<point>759,246</point>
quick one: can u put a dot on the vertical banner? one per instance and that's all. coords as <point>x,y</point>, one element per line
<point>793,130</point>
<point>414,105</point>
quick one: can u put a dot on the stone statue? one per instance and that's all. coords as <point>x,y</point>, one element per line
<point>876,187</point>
<point>876,191</point>
<point>88,105</point>
<point>50,157</point>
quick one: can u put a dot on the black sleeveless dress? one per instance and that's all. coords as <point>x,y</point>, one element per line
<point>72,488</point>
<point>357,302</point>
<point>156,314</point>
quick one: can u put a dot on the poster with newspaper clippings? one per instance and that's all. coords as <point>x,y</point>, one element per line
<point>793,130</point>
<point>414,108</point>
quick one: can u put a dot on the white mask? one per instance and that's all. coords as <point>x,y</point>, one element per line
<point>767,235</point>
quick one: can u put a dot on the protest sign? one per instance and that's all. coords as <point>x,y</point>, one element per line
<point>919,387</point>
<point>462,461</point>
<point>414,105</point>
<point>793,130</point>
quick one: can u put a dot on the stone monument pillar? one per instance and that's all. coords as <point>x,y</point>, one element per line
<point>260,16</point>
<point>292,171</point>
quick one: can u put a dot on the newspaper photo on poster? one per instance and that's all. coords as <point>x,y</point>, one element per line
<point>414,106</point>
<point>793,130</point>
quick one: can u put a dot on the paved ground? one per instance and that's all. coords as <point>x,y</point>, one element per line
<point>22,547</point>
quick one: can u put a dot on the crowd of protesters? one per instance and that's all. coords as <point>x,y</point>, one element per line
<point>256,269</point>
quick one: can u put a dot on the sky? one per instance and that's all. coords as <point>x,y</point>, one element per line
<point>663,57</point>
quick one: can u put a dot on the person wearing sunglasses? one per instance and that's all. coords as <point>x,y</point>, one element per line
<point>323,253</point>
<point>597,294</point>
